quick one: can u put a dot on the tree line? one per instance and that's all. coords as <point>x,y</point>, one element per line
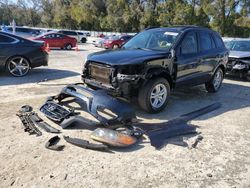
<point>229,17</point>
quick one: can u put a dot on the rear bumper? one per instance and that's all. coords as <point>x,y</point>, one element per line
<point>41,60</point>
<point>107,46</point>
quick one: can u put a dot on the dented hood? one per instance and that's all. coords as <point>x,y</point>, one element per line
<point>126,56</point>
<point>239,54</point>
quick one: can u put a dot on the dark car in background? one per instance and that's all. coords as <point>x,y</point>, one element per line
<point>19,55</point>
<point>24,32</point>
<point>239,58</point>
<point>116,41</point>
<point>57,40</point>
<point>157,60</point>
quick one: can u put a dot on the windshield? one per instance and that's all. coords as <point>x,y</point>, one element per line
<point>162,39</point>
<point>238,45</point>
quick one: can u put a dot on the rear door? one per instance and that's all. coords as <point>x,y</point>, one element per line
<point>208,53</point>
<point>188,60</point>
<point>50,39</point>
<point>58,40</point>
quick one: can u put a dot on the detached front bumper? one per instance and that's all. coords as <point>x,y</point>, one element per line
<point>108,110</point>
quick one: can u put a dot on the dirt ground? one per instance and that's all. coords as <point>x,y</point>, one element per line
<point>221,159</point>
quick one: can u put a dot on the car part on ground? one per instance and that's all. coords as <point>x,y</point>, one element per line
<point>54,111</point>
<point>193,142</point>
<point>78,120</point>
<point>42,124</point>
<point>29,126</point>
<point>52,144</point>
<point>113,137</point>
<point>86,144</point>
<point>159,133</point>
<point>109,111</point>
<point>177,54</point>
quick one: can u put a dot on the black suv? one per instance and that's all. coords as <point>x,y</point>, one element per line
<point>157,60</point>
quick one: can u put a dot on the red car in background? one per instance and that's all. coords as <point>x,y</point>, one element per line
<point>101,35</point>
<point>116,41</point>
<point>57,40</point>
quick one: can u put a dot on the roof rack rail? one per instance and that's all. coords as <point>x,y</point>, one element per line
<point>150,27</point>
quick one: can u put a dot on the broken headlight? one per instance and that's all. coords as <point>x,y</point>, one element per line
<point>112,137</point>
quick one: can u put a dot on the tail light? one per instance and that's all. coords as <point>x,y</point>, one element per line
<point>43,48</point>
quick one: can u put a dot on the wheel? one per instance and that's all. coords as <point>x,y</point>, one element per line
<point>83,40</point>
<point>18,66</point>
<point>68,47</point>
<point>154,96</point>
<point>215,83</point>
<point>115,46</point>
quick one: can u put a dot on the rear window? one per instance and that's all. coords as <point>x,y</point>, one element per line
<point>6,39</point>
<point>206,41</point>
<point>69,33</point>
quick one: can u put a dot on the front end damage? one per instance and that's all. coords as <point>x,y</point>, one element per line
<point>239,67</point>
<point>119,80</point>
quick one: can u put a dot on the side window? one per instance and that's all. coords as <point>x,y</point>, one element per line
<point>189,44</point>
<point>6,39</point>
<point>205,41</point>
<point>69,33</point>
<point>218,41</point>
<point>58,36</point>
<point>213,43</point>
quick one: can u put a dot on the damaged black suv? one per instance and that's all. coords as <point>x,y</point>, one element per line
<point>157,60</point>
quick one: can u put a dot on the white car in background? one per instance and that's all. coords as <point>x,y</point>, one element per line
<point>79,37</point>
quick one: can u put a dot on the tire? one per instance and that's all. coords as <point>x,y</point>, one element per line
<point>215,83</point>
<point>148,98</point>
<point>68,46</point>
<point>115,46</point>
<point>83,40</point>
<point>18,66</point>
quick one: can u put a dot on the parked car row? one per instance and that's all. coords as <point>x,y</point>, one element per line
<point>28,32</point>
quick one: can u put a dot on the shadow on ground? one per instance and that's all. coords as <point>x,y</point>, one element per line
<point>231,96</point>
<point>36,75</point>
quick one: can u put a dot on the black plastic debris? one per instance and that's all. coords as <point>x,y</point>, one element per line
<point>52,144</point>
<point>86,144</point>
<point>161,132</point>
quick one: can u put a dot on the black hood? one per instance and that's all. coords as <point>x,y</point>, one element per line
<point>126,56</point>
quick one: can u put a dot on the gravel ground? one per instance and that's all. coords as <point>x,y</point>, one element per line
<point>221,159</point>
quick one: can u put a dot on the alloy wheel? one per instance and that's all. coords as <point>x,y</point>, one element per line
<point>158,95</point>
<point>217,80</point>
<point>18,66</point>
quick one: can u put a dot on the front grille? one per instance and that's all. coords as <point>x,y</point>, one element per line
<point>100,73</point>
<point>231,62</point>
